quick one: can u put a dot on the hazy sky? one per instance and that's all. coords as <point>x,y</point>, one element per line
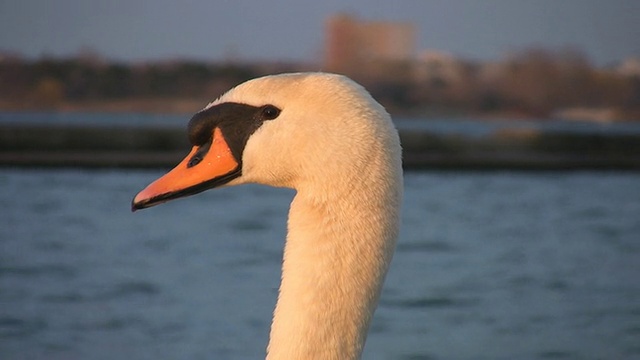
<point>606,30</point>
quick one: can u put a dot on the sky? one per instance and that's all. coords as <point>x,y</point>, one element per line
<point>607,31</point>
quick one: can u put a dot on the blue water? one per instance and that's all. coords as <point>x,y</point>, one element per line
<point>489,266</point>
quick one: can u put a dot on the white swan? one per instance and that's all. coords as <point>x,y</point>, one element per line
<point>326,137</point>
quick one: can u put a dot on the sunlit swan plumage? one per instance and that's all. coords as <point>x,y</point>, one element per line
<point>326,137</point>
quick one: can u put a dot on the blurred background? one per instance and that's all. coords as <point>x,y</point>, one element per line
<point>520,123</point>
<point>575,59</point>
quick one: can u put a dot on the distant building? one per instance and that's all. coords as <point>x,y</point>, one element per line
<point>351,43</point>
<point>630,67</point>
<point>438,66</point>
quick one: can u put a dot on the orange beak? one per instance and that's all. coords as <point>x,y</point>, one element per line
<point>216,167</point>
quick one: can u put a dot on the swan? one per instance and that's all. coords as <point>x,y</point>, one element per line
<point>324,136</point>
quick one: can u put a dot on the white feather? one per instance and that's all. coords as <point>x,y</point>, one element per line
<point>338,148</point>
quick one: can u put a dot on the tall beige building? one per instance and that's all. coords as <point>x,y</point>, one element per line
<point>351,43</point>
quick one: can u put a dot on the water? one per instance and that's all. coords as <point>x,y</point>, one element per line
<point>489,266</point>
<point>463,126</point>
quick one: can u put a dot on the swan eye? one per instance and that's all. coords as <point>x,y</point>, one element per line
<point>270,112</point>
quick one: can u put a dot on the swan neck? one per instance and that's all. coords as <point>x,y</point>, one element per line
<point>336,257</point>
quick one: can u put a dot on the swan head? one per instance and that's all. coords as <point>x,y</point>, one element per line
<point>287,130</point>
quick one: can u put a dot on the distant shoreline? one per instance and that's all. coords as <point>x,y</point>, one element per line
<point>38,145</point>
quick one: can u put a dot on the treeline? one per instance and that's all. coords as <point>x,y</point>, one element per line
<point>533,82</point>
<point>48,83</point>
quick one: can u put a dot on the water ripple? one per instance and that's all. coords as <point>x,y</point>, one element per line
<point>430,302</point>
<point>133,288</point>
<point>419,357</point>
<point>54,270</point>
<point>427,246</point>
<point>71,297</point>
<point>16,327</point>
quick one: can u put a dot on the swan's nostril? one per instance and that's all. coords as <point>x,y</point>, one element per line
<point>199,155</point>
<point>195,160</point>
